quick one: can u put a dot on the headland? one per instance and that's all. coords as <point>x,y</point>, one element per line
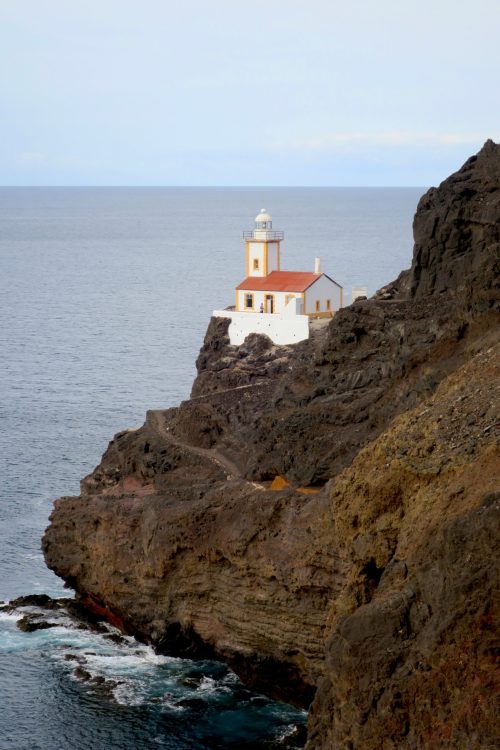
<point>324,516</point>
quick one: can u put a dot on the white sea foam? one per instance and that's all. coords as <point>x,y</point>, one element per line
<point>207,685</point>
<point>9,616</point>
<point>143,676</point>
<point>13,639</point>
<point>231,678</point>
<point>136,693</point>
<point>286,732</point>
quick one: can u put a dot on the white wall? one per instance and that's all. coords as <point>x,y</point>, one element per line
<point>258,299</point>
<point>256,250</point>
<point>272,257</point>
<point>281,329</point>
<point>321,290</point>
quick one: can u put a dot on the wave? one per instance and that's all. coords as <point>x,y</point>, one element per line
<point>113,668</point>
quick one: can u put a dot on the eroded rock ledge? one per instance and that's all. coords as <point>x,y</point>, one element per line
<point>364,575</point>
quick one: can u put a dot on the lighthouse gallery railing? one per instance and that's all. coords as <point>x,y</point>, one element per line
<point>256,234</point>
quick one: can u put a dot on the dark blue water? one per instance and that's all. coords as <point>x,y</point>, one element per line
<point>105,295</point>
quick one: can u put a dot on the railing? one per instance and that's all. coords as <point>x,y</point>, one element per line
<point>263,234</point>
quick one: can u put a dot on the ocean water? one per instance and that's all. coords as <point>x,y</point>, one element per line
<point>105,295</point>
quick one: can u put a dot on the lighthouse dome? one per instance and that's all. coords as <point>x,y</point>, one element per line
<point>263,216</point>
<point>263,229</point>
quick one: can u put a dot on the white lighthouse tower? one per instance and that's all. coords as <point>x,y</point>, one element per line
<point>262,246</point>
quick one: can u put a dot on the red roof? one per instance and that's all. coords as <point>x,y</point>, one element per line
<point>280,281</point>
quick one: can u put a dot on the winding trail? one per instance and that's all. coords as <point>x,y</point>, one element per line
<point>210,394</point>
<point>157,423</point>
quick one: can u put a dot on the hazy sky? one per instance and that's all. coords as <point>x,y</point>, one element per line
<point>232,92</point>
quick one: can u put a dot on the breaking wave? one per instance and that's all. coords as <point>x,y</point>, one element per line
<point>197,705</point>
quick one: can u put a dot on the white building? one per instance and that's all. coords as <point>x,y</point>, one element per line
<point>275,302</point>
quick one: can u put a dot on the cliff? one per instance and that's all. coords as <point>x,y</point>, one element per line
<point>322,517</point>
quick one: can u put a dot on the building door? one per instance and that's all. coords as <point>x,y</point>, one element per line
<point>269,299</point>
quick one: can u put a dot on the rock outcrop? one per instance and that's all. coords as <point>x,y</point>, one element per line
<point>410,661</point>
<point>322,517</point>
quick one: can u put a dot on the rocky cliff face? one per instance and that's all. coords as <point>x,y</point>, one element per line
<point>322,517</point>
<point>410,660</point>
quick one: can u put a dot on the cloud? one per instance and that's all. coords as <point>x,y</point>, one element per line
<point>335,141</point>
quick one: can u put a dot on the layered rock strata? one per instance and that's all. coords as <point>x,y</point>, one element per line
<point>322,516</point>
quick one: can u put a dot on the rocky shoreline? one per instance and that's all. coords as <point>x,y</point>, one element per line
<point>322,517</point>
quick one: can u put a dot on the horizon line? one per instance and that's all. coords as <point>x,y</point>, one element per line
<point>211,187</point>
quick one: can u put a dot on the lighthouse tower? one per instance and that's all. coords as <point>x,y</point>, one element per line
<point>262,246</point>
<point>276,303</point>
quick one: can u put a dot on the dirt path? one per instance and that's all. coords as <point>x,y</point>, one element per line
<point>156,421</point>
<point>226,390</point>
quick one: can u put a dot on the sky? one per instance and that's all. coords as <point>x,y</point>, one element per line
<point>232,92</point>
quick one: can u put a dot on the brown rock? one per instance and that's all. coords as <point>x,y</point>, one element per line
<point>367,570</point>
<point>30,623</point>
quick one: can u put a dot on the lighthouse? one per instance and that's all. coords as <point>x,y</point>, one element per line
<point>273,302</point>
<point>263,246</point>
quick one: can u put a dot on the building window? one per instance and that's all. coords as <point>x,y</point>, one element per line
<point>255,264</point>
<point>318,305</point>
<point>328,304</point>
<point>288,297</point>
<point>248,301</point>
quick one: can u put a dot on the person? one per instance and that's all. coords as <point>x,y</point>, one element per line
<point>262,307</point>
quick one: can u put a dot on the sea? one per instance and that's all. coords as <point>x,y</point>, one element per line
<point>105,296</point>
